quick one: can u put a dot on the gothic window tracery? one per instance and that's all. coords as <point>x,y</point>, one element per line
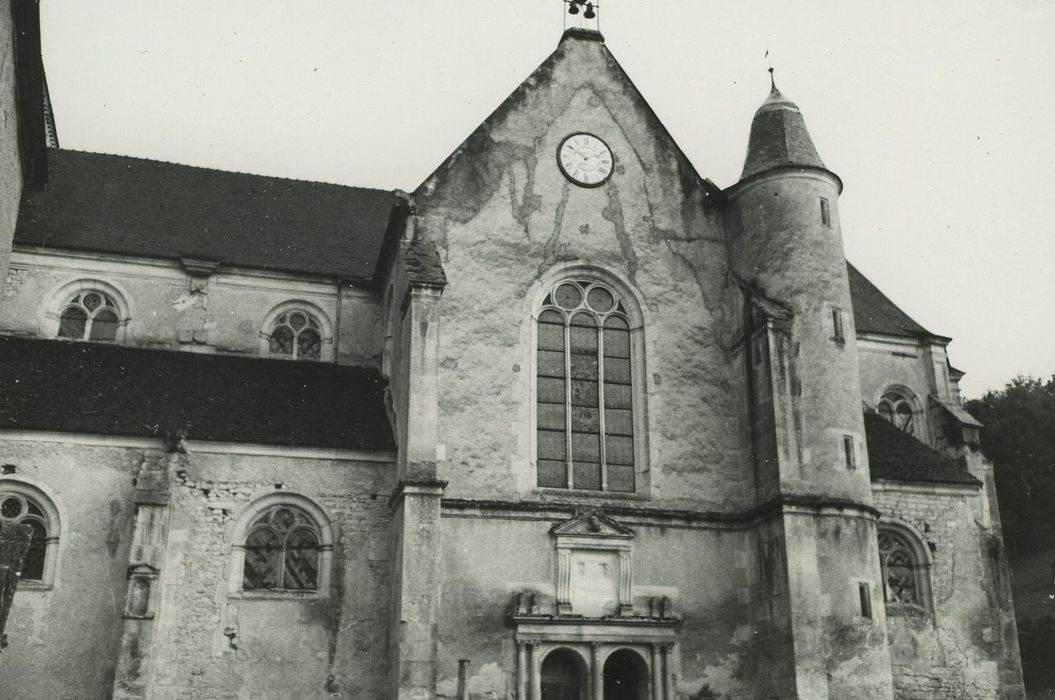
<point>282,551</point>
<point>296,335</point>
<point>904,571</point>
<point>898,410</point>
<point>585,419</point>
<point>89,315</point>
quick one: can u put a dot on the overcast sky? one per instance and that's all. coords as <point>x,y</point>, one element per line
<point>939,116</point>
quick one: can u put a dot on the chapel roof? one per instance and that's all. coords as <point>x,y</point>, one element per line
<point>779,137</point>
<point>874,312</point>
<point>102,389</point>
<point>894,455</point>
<point>132,206</point>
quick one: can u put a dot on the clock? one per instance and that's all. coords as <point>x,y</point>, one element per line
<point>585,159</point>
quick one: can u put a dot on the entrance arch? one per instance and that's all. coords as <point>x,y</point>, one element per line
<point>625,676</point>
<point>563,676</point>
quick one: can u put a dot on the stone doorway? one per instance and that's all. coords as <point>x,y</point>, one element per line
<point>563,677</point>
<point>625,676</point>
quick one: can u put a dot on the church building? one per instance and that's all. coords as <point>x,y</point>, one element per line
<point>568,421</point>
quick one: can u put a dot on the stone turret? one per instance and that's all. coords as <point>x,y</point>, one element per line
<point>808,435</point>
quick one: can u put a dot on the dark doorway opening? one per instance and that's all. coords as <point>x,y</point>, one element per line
<point>562,676</point>
<point>625,676</point>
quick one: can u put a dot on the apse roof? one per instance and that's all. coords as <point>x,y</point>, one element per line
<point>101,389</point>
<point>131,206</point>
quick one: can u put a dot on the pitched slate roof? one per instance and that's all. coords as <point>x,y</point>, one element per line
<point>779,137</point>
<point>897,456</point>
<point>111,390</point>
<point>131,206</point>
<point>875,313</point>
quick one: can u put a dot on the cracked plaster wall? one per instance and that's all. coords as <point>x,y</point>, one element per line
<point>165,313</point>
<point>728,640</point>
<point>63,640</point>
<point>284,645</point>
<point>503,215</point>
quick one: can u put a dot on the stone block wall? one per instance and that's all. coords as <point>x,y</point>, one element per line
<point>956,649</point>
<point>10,166</point>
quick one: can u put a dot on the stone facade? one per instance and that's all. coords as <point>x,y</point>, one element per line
<point>720,537</point>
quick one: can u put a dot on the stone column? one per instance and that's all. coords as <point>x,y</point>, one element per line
<point>657,673</point>
<point>522,671</point>
<point>598,672</point>
<point>668,671</point>
<point>153,494</point>
<point>536,673</point>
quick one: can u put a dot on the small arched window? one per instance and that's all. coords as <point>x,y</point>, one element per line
<point>282,551</point>
<point>89,315</point>
<point>906,584</point>
<point>23,504</point>
<point>585,391</point>
<point>898,410</point>
<point>297,335</point>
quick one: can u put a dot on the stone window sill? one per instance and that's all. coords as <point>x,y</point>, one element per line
<point>555,494</point>
<point>277,595</point>
<point>34,586</point>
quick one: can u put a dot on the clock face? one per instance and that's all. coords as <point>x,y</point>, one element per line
<point>585,159</point>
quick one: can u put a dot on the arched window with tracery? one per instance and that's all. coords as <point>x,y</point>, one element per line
<point>898,410</point>
<point>585,388</point>
<point>89,315</point>
<point>25,505</point>
<point>906,585</point>
<point>295,334</point>
<point>282,551</point>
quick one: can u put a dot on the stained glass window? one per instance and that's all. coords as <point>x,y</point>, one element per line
<point>900,570</point>
<point>17,508</point>
<point>282,551</point>
<point>296,335</point>
<point>584,407</point>
<point>897,409</point>
<point>89,315</point>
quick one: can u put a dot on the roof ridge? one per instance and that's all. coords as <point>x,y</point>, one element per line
<point>218,170</point>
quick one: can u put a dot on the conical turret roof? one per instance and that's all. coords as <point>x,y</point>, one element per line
<point>779,137</point>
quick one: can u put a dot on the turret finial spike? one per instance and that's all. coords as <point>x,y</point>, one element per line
<point>772,80</point>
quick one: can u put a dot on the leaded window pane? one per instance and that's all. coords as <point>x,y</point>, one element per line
<point>302,560</point>
<point>72,323</point>
<point>104,326</point>
<point>587,476</point>
<point>552,473</point>
<point>33,567</point>
<point>309,345</point>
<point>282,341</point>
<point>263,557</point>
<point>621,477</point>
<point>552,444</point>
<point>570,343</point>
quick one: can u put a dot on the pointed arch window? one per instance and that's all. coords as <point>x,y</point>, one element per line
<point>585,389</point>
<point>90,315</point>
<point>905,571</point>
<point>898,410</point>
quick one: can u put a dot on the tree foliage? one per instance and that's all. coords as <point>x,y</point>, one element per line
<point>1019,438</point>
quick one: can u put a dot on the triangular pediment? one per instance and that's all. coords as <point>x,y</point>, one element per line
<point>592,523</point>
